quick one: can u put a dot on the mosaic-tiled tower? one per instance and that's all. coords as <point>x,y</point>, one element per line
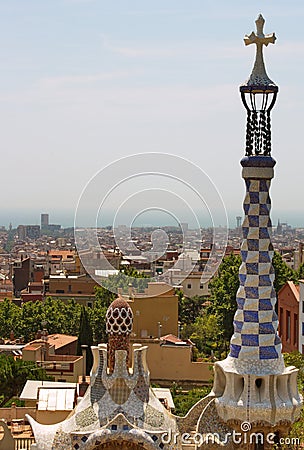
<point>252,383</point>
<point>255,344</point>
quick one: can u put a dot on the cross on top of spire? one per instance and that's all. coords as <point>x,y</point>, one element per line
<point>259,78</point>
<point>259,38</point>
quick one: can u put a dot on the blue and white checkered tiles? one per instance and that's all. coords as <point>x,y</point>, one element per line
<point>255,322</point>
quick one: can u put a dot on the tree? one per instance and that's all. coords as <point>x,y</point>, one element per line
<point>283,273</point>
<point>126,277</point>
<point>223,297</point>
<point>9,315</point>
<point>104,296</point>
<point>59,317</point>
<point>183,401</point>
<point>85,337</point>
<point>71,311</point>
<point>296,359</point>
<point>98,321</point>
<point>297,430</point>
<point>300,272</point>
<point>189,308</point>
<point>205,334</point>
<point>29,320</point>
<point>211,328</point>
<point>51,311</point>
<point>15,373</point>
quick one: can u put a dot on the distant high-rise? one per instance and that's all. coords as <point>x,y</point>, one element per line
<point>44,220</point>
<point>28,231</point>
<point>238,221</point>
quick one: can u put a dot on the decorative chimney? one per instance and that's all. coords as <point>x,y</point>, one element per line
<point>119,322</point>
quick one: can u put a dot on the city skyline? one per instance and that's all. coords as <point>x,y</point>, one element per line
<point>85,83</point>
<point>232,222</point>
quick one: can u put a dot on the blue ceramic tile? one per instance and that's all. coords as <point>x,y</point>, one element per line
<point>263,210</point>
<point>265,305</point>
<point>240,302</point>
<point>237,326</point>
<point>242,278</point>
<point>235,350</point>
<point>253,221</point>
<point>263,233</point>
<point>253,244</point>
<point>266,328</point>
<point>268,352</point>
<point>264,257</point>
<point>250,340</point>
<point>254,197</point>
<point>252,292</point>
<point>264,280</point>
<point>252,268</point>
<point>251,316</point>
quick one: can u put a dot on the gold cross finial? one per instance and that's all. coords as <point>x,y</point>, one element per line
<point>259,76</point>
<point>259,38</point>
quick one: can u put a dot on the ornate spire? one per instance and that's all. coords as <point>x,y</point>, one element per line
<point>252,383</point>
<point>258,95</point>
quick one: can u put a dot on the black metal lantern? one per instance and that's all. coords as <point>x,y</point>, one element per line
<point>258,95</point>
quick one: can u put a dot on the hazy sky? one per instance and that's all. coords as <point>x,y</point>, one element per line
<point>86,82</point>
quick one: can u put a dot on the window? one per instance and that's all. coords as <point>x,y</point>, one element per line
<point>59,291</point>
<point>287,325</point>
<point>189,286</point>
<point>295,329</point>
<point>281,322</point>
<point>302,328</point>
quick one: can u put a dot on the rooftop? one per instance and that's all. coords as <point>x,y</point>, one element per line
<point>60,340</point>
<point>30,390</point>
<point>56,399</point>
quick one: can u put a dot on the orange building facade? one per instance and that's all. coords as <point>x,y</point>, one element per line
<point>288,312</point>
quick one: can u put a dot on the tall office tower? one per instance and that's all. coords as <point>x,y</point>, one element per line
<point>44,220</point>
